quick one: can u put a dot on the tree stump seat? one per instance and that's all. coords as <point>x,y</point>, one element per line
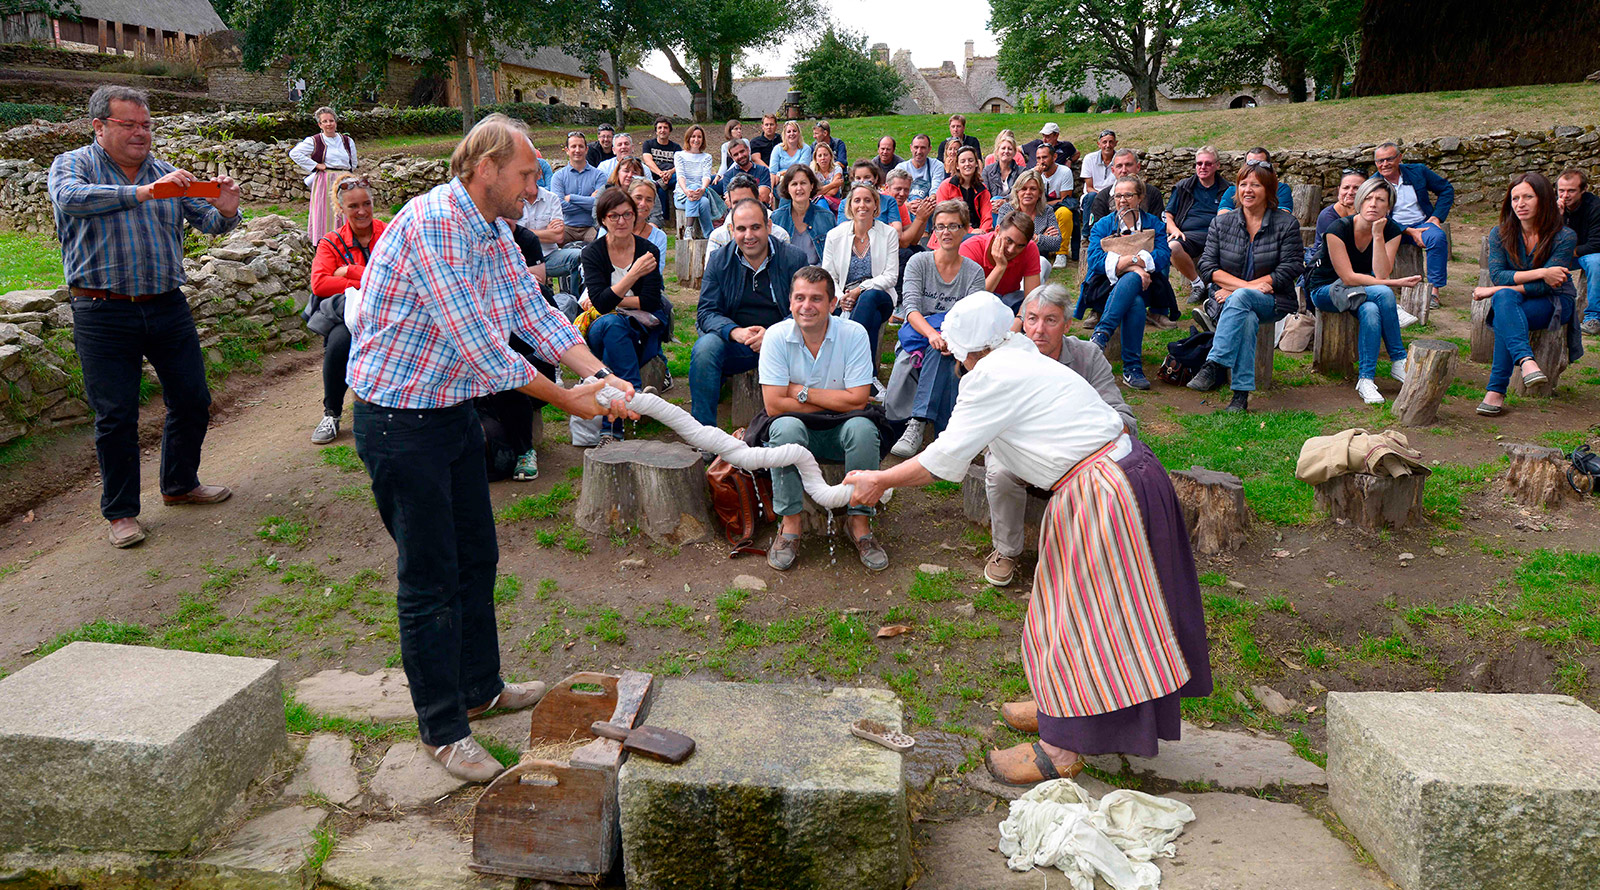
<point>1335,344</point>
<point>1214,509</point>
<point>659,488</point>
<point>1537,476</point>
<point>1373,502</point>
<point>689,261</point>
<point>1429,370</point>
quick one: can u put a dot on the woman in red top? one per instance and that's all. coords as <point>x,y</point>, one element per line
<point>341,258</point>
<point>966,185</point>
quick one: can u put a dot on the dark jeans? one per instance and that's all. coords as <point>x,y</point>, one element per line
<point>713,361</point>
<point>1513,316</point>
<point>112,338</point>
<point>335,356</point>
<point>872,309</point>
<point>625,346</point>
<point>428,477</point>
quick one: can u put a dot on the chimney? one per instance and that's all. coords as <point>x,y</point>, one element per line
<point>880,53</point>
<point>969,54</point>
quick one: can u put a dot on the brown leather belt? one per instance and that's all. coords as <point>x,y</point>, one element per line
<point>95,293</point>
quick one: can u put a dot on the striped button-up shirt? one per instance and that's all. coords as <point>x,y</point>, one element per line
<point>112,241</point>
<point>440,298</point>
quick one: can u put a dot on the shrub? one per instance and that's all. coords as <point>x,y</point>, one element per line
<point>1108,102</point>
<point>14,114</point>
<point>1078,103</point>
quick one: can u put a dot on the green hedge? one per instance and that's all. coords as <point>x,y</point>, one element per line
<point>15,114</point>
<point>423,121</point>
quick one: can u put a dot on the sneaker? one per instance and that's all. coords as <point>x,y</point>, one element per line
<point>1197,291</point>
<point>910,442</point>
<point>1061,261</point>
<point>527,467</point>
<point>1134,377</point>
<point>1590,326</point>
<point>785,548</point>
<point>605,439</point>
<point>512,697</point>
<point>1368,391</point>
<point>1100,339</point>
<point>1208,378</point>
<point>466,760</point>
<point>1202,319</point>
<point>327,430</point>
<point>1433,300</point>
<point>1406,318</point>
<point>1397,370</point>
<point>999,570</point>
<point>1240,403</point>
<point>666,380</point>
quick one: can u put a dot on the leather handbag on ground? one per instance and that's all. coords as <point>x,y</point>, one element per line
<point>742,502</point>
<point>1188,354</point>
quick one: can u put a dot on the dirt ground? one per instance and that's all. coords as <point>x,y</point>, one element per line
<point>298,567</point>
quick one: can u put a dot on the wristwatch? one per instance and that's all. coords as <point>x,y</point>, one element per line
<point>602,374</point>
<point>803,394</point>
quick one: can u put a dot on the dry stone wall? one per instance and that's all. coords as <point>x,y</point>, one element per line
<point>246,292</point>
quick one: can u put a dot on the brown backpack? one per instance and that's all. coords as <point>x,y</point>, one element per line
<point>742,501</point>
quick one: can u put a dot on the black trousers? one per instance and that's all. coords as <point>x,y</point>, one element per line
<point>428,478</point>
<point>335,356</point>
<point>113,338</point>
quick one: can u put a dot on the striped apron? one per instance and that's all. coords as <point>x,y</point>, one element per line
<point>1098,636</point>
<point>326,215</point>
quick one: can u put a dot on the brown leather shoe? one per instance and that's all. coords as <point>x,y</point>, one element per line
<point>1023,716</point>
<point>126,532</point>
<point>200,494</point>
<point>514,697</point>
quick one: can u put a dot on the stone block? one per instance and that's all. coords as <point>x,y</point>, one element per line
<point>408,777</point>
<point>1226,759</point>
<point>27,301</point>
<point>412,853</point>
<point>778,793</point>
<point>1458,791</point>
<point>270,852</point>
<point>107,747</point>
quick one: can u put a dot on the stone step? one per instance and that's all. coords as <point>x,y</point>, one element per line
<point>1228,760</point>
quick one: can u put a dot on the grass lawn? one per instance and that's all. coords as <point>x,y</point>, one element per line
<point>29,260</point>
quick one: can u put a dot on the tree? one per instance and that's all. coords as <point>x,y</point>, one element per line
<point>1230,43</point>
<point>1056,44</point>
<point>610,37</point>
<point>342,50</point>
<point>713,34</point>
<point>840,79</point>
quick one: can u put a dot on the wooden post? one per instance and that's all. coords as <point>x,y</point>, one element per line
<point>1428,374</point>
<point>689,258</point>
<point>1334,345</point>
<point>1372,502</point>
<point>1411,261</point>
<point>1482,335</point>
<point>117,30</point>
<point>1537,476</point>
<point>654,373</point>
<point>102,35</point>
<point>658,487</point>
<point>1213,508</point>
<point>1266,340</point>
<point>746,398</point>
<point>1307,203</point>
<point>1550,351</point>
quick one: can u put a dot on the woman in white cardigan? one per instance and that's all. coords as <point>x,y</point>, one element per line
<point>863,256</point>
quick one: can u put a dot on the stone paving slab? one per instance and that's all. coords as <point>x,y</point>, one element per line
<point>1230,760</point>
<point>413,853</point>
<point>510,729</point>
<point>270,851</point>
<point>106,747</point>
<point>328,769</point>
<point>380,697</point>
<point>407,777</point>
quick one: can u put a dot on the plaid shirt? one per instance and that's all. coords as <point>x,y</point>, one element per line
<point>111,241</point>
<point>442,294</point>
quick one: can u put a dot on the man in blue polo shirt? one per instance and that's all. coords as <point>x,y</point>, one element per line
<point>575,184</point>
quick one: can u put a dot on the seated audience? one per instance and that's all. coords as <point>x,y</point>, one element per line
<point>1050,134</point>
<point>864,256</point>
<point>742,164</point>
<point>623,172</point>
<point>1096,174</point>
<point>1530,283</point>
<point>823,132</point>
<point>732,133</point>
<point>542,214</point>
<point>1580,211</point>
<point>1027,196</point>
<point>701,205</point>
<point>1251,261</point>
<point>966,185</point>
<point>926,173</point>
<point>621,150</point>
<point>575,185</point>
<point>1045,321</point>
<point>886,160</point>
<point>761,145</point>
<point>1285,194</point>
<point>1125,163</point>
<point>816,373</point>
<point>341,257</point>
<point>1353,273</point>
<point>1008,256</point>
<point>1003,170</point>
<point>830,174</point>
<point>1344,202</point>
<point>958,137</point>
<point>622,273</point>
<point>805,219</point>
<point>914,212</point>
<point>658,157</point>
<point>740,189</point>
<point>1123,285</point>
<point>1188,216</point>
<point>791,150</point>
<point>744,292</point>
<point>888,207</point>
<point>604,146</point>
<point>1420,214</point>
<point>922,383</point>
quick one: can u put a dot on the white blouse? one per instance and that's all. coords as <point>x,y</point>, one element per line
<point>1036,416</point>
<point>334,157</point>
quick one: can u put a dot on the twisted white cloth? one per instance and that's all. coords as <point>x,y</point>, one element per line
<point>1057,823</point>
<point>734,450</point>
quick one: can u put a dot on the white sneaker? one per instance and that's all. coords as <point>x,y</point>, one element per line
<point>1061,261</point>
<point>327,430</point>
<point>1406,318</point>
<point>1368,391</point>
<point>467,760</point>
<point>1397,370</point>
<point>911,442</point>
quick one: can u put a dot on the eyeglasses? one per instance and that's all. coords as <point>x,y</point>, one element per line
<point>1118,196</point>
<point>1205,163</point>
<point>1348,171</point>
<point>352,182</point>
<point>946,228</point>
<point>1388,160</point>
<point>129,125</point>
<point>625,216</point>
<point>1264,165</point>
<point>1105,133</point>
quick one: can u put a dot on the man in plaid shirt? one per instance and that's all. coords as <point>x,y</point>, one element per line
<point>445,289</point>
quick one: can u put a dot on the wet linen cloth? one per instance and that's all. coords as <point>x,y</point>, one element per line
<point>1059,824</point>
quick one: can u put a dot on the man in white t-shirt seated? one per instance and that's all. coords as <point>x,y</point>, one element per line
<point>739,188</point>
<point>817,365</point>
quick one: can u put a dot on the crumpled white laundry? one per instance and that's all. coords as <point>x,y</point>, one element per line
<point>734,450</point>
<point>1057,823</point>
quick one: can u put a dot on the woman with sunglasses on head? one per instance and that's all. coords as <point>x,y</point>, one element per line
<point>966,185</point>
<point>863,256</point>
<point>327,156</point>
<point>1531,254</point>
<point>341,258</point>
<point>622,278</point>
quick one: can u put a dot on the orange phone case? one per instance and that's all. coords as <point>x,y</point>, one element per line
<point>163,190</point>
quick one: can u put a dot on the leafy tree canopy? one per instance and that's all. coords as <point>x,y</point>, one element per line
<point>840,79</point>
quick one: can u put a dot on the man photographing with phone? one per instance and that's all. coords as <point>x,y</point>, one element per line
<point>122,249</point>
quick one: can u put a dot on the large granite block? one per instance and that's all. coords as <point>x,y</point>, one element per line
<point>1456,791</point>
<point>108,747</point>
<point>778,794</point>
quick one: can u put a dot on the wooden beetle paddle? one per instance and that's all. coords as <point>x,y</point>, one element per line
<point>651,741</point>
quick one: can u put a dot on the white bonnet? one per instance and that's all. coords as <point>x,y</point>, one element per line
<point>976,322</point>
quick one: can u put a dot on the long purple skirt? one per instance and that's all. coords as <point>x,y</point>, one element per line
<point>1137,730</point>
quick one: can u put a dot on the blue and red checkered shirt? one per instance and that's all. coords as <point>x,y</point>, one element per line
<point>443,292</point>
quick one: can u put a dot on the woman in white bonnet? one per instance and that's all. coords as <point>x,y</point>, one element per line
<point>1115,633</point>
